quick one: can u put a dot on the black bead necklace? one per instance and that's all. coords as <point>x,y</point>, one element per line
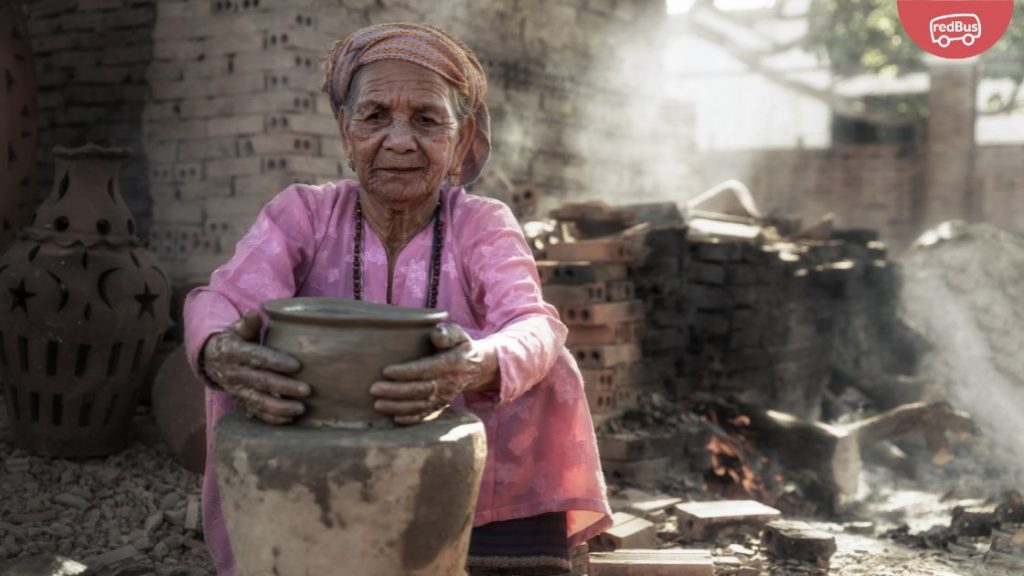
<point>435,257</point>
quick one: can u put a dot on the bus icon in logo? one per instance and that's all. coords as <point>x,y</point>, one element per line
<point>965,28</point>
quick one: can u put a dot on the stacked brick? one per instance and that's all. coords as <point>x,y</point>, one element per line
<point>660,277</point>
<point>759,332</point>
<point>588,281</point>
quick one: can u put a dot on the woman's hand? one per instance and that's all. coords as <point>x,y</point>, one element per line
<point>416,389</point>
<point>255,375</point>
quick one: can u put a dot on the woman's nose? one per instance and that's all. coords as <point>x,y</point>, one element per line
<point>399,138</point>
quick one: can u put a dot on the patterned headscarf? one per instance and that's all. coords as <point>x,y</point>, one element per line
<point>429,47</point>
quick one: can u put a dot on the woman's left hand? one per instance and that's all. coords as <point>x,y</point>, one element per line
<point>416,389</point>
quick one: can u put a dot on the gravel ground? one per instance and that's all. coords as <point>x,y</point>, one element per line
<point>133,513</point>
<point>136,513</point>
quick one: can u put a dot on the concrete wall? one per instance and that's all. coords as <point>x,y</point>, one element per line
<point>875,186</point>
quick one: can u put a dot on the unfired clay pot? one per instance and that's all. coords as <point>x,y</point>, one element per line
<point>334,495</point>
<point>372,502</point>
<point>343,346</point>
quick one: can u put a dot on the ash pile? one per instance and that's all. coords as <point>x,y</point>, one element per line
<point>762,393</point>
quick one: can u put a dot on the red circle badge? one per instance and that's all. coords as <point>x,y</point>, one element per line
<point>955,28</point>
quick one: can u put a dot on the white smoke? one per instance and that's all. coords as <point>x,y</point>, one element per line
<point>966,295</point>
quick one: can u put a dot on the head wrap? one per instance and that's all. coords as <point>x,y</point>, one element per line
<point>426,46</point>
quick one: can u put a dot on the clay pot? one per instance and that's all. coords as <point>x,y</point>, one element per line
<point>343,346</point>
<point>17,121</point>
<point>373,502</point>
<point>82,307</point>
<point>179,408</point>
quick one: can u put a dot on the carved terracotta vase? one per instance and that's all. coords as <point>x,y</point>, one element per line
<point>344,489</point>
<point>17,121</point>
<point>82,307</point>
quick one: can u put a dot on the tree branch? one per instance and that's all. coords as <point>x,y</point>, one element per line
<point>752,60</point>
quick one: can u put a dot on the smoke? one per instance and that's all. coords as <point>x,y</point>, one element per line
<point>965,294</point>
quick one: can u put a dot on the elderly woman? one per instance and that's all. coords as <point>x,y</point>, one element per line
<point>409,102</point>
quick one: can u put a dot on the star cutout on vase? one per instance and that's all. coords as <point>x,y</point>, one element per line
<point>20,296</point>
<point>146,300</point>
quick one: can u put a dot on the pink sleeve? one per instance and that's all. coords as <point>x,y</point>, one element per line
<point>269,262</point>
<point>506,295</point>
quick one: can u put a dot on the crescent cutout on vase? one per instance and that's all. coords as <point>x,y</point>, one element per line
<point>64,294</point>
<point>101,286</point>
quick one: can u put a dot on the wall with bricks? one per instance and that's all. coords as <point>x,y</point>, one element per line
<point>233,113</point>
<point>91,58</point>
<point>220,100</point>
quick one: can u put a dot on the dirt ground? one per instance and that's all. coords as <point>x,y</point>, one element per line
<point>137,513</point>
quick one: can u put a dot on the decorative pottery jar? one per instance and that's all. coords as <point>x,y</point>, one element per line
<point>82,307</point>
<point>341,492</point>
<point>343,346</point>
<point>17,121</point>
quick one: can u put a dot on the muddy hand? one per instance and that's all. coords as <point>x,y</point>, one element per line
<point>416,389</point>
<point>254,375</point>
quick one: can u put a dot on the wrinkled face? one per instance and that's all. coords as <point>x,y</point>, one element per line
<point>402,133</point>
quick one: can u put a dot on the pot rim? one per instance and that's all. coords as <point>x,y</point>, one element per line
<point>346,312</point>
<point>91,150</point>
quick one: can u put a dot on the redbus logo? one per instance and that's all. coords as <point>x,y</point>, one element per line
<point>955,28</point>
<point>946,29</point>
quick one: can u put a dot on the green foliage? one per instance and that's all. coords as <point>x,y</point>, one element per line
<point>866,37</point>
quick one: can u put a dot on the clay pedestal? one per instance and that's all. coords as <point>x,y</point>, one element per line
<point>375,502</point>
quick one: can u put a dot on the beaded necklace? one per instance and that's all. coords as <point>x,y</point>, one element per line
<point>435,257</point>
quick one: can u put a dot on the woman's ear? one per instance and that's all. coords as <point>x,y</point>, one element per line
<point>467,133</point>
<point>346,138</point>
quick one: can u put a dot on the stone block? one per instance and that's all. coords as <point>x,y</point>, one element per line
<point>700,520</point>
<point>617,333</point>
<point>602,313</point>
<point>575,273</point>
<point>628,531</point>
<point>652,563</point>
<point>798,541</point>
<point>561,295</point>
<point>596,357</point>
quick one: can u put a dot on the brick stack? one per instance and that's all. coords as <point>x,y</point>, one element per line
<point>660,277</point>
<point>588,281</point>
<point>755,333</point>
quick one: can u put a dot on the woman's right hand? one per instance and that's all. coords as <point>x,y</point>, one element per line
<point>254,375</point>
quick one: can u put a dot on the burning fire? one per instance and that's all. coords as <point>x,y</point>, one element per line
<point>737,469</point>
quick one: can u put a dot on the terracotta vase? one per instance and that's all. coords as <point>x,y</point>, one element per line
<point>342,492</point>
<point>343,346</point>
<point>17,121</point>
<point>82,307</point>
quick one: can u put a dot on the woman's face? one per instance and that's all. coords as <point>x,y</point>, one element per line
<point>402,133</point>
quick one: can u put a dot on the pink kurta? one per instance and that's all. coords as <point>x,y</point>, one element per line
<point>542,453</point>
